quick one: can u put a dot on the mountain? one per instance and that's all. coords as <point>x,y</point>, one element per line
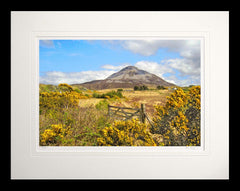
<point>128,77</point>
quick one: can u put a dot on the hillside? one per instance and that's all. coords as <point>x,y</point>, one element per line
<point>128,77</point>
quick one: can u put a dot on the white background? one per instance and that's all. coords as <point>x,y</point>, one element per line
<point>29,161</point>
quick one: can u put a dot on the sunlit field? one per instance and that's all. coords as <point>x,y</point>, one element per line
<point>70,116</point>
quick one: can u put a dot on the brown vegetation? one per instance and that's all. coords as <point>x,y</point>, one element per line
<point>72,117</point>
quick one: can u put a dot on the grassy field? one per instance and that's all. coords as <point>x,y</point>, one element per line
<point>132,99</point>
<point>135,98</point>
<point>70,116</point>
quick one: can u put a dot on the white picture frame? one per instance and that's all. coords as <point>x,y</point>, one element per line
<point>29,161</point>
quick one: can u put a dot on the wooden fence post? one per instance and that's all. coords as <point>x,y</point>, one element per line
<point>143,113</point>
<point>114,111</point>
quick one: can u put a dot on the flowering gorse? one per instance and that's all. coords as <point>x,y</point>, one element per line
<point>179,120</point>
<point>66,86</point>
<point>58,100</point>
<point>126,133</point>
<point>54,134</point>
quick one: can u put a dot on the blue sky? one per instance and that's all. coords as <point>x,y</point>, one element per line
<point>78,61</point>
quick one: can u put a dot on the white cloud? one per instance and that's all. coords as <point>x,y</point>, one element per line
<point>55,77</point>
<point>188,74</point>
<point>184,66</point>
<point>143,47</point>
<point>46,43</point>
<point>187,64</point>
<point>184,70</point>
<point>154,67</point>
<point>150,47</point>
<point>165,67</point>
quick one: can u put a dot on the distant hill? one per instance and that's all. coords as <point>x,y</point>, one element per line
<point>128,77</point>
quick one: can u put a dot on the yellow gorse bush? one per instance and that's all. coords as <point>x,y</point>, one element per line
<point>67,86</point>
<point>60,99</point>
<point>177,100</point>
<point>48,136</point>
<point>177,123</point>
<point>195,97</point>
<point>179,120</point>
<point>126,133</point>
<point>54,134</point>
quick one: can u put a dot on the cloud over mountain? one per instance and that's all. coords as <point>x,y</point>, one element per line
<point>55,77</point>
<point>181,68</point>
<point>187,65</point>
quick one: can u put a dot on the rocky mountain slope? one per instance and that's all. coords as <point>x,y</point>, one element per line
<point>128,77</point>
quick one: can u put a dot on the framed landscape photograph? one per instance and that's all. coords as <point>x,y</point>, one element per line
<point>119,95</point>
<point>144,92</point>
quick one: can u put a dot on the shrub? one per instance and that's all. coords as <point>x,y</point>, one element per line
<point>47,88</point>
<point>136,88</point>
<point>84,123</point>
<point>96,95</point>
<point>77,90</point>
<point>66,87</point>
<point>161,88</point>
<point>60,111</point>
<point>126,133</point>
<point>54,134</point>
<point>179,120</point>
<point>102,105</point>
<point>57,100</point>
<point>108,95</point>
<point>144,87</point>
<point>89,122</point>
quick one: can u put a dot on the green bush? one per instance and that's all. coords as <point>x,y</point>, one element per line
<point>102,105</point>
<point>161,88</point>
<point>140,88</point>
<point>136,88</point>
<point>108,94</point>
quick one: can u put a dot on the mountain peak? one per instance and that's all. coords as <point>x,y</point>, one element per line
<point>127,77</point>
<point>129,72</point>
<point>130,68</point>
